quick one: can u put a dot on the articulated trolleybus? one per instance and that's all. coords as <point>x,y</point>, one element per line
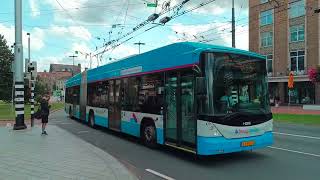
<point>196,97</point>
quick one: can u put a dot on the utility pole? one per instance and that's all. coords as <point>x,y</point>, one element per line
<point>28,47</point>
<point>73,56</point>
<point>139,44</point>
<point>233,27</point>
<point>90,60</point>
<point>18,60</point>
<point>317,11</point>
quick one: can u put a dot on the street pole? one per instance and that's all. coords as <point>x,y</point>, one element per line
<point>139,44</point>
<point>32,101</point>
<point>233,27</point>
<point>31,84</point>
<point>28,47</point>
<point>73,56</point>
<point>18,60</point>
<point>317,11</point>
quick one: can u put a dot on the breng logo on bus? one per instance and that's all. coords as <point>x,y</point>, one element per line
<point>246,131</point>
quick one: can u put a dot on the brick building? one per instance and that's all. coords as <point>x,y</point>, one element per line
<point>52,80</point>
<point>58,74</point>
<point>287,32</point>
<point>64,68</point>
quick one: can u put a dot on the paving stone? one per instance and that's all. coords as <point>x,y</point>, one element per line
<point>29,155</point>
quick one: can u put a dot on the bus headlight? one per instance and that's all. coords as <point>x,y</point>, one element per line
<point>207,129</point>
<point>214,132</point>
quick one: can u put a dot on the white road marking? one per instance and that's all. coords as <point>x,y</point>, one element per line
<point>297,135</point>
<point>65,123</point>
<point>79,132</point>
<point>159,174</point>
<point>299,152</point>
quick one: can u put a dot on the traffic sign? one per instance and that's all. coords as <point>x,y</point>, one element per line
<point>151,5</point>
<point>290,80</point>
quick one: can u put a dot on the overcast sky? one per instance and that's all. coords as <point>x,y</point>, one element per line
<point>56,32</point>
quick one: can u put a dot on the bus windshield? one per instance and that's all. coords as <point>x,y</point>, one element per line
<point>235,84</point>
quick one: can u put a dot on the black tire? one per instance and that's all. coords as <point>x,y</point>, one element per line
<point>149,135</point>
<point>91,120</point>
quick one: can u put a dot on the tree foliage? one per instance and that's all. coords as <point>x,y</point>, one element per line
<point>6,76</point>
<point>314,74</point>
<point>40,90</point>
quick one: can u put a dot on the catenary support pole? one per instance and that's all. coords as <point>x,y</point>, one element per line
<point>233,27</point>
<point>18,60</point>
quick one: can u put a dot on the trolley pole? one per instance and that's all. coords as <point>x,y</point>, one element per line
<point>18,60</point>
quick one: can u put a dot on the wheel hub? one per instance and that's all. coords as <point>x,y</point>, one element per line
<point>149,133</point>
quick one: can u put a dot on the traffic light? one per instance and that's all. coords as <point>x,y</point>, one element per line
<point>32,69</point>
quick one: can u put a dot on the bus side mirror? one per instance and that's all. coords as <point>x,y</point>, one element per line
<point>201,86</point>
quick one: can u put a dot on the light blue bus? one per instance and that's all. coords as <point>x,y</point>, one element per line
<point>196,97</point>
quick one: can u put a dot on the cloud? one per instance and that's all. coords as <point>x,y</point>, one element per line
<point>34,8</point>
<point>242,37</point>
<point>215,8</point>
<point>216,33</point>
<point>118,53</point>
<point>37,36</point>
<point>197,32</point>
<point>98,11</point>
<point>71,31</point>
<point>43,63</point>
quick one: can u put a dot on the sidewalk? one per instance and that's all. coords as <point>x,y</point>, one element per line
<point>28,155</point>
<point>293,110</point>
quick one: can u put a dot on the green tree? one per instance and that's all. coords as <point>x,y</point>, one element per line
<point>6,76</point>
<point>40,91</point>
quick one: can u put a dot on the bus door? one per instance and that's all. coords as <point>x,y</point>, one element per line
<point>114,110</point>
<point>75,102</point>
<point>83,96</point>
<point>180,124</point>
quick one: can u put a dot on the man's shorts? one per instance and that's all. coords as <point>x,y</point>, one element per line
<point>44,119</point>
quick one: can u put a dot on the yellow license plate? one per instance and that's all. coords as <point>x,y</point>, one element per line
<point>247,143</point>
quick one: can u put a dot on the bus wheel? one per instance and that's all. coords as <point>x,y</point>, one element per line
<point>149,135</point>
<point>91,120</point>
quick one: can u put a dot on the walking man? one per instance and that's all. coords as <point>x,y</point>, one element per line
<point>45,109</point>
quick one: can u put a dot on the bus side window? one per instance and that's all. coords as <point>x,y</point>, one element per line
<point>150,100</point>
<point>111,94</point>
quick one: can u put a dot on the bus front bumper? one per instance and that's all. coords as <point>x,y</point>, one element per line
<point>221,145</point>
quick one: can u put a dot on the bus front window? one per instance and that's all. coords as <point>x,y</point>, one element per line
<point>235,83</point>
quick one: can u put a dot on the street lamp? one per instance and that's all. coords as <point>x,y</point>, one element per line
<point>28,60</point>
<point>139,44</point>
<point>86,55</point>
<point>73,56</point>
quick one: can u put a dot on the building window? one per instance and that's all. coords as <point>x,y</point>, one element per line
<point>297,9</point>
<point>266,39</point>
<point>269,63</point>
<point>266,17</point>
<point>263,1</point>
<point>297,33</point>
<point>297,61</point>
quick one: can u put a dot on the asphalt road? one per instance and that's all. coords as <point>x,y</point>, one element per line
<point>294,155</point>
